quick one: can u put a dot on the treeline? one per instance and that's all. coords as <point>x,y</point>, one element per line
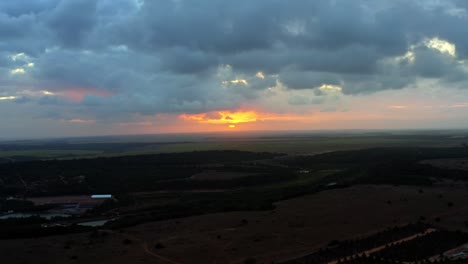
<point>8,231</point>
<point>425,246</point>
<point>105,147</point>
<point>378,155</point>
<point>385,165</point>
<point>204,203</point>
<point>113,174</point>
<point>365,259</point>
<point>341,249</point>
<point>248,181</point>
<point>21,206</point>
<point>417,250</point>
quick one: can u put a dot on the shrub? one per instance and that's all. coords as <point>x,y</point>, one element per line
<point>159,246</point>
<point>250,261</point>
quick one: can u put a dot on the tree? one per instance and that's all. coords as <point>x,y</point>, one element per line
<point>159,246</point>
<point>250,261</point>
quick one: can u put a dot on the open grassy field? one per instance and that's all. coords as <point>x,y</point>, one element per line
<point>456,164</point>
<point>303,144</point>
<point>227,206</point>
<point>219,176</point>
<point>293,228</point>
<point>48,153</point>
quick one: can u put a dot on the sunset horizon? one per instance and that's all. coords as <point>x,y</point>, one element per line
<point>234,132</point>
<point>139,67</point>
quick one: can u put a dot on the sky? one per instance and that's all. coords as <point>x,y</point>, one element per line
<point>102,67</point>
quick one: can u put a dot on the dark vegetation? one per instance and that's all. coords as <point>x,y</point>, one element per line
<point>424,247</point>
<point>267,177</point>
<point>20,229</point>
<point>398,166</point>
<point>27,227</point>
<point>21,206</point>
<point>417,250</point>
<point>341,249</point>
<point>105,147</point>
<point>362,259</point>
<point>167,177</point>
<point>69,149</point>
<point>123,174</point>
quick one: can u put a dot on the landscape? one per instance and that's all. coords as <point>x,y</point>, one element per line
<point>234,132</point>
<point>347,198</point>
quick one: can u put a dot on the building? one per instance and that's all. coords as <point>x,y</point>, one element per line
<point>101,196</point>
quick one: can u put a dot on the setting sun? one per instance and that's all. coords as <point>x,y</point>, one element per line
<point>236,117</point>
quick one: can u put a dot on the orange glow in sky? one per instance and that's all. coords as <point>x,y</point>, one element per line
<point>78,94</point>
<point>236,117</point>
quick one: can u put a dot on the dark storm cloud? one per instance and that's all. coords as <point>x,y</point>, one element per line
<point>72,21</point>
<point>25,7</point>
<point>186,61</point>
<point>305,80</point>
<point>173,56</point>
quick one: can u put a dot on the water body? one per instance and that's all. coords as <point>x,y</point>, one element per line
<point>47,216</point>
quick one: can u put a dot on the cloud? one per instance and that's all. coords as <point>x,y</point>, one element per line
<point>81,121</point>
<point>2,98</point>
<point>109,59</point>
<point>459,105</point>
<point>398,106</point>
<point>18,71</point>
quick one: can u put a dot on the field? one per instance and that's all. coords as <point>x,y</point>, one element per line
<point>295,227</point>
<point>305,146</point>
<point>217,175</point>
<point>231,206</point>
<point>457,164</point>
<point>294,144</point>
<point>47,153</point>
